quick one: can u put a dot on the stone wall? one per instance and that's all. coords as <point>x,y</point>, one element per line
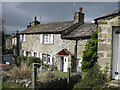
<point>105,41</point>
<point>32,44</point>
<point>60,82</point>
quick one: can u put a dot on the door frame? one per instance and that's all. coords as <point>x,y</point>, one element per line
<point>62,63</point>
<point>115,63</point>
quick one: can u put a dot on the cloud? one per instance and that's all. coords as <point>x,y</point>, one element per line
<point>18,14</point>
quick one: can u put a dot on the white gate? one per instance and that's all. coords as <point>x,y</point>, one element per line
<point>116,55</point>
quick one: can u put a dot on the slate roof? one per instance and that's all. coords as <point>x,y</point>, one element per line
<point>55,27</point>
<point>83,31</point>
<point>116,12</point>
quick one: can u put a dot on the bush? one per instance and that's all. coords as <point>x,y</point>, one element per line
<point>93,79</point>
<point>8,50</point>
<point>22,72</point>
<point>30,60</point>
<point>6,85</point>
<point>90,53</point>
<point>46,76</point>
<point>49,74</point>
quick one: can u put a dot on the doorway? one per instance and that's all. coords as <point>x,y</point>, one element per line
<point>116,54</point>
<point>63,63</point>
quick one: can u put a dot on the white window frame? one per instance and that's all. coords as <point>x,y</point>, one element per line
<point>44,56</point>
<point>20,52</point>
<point>47,38</point>
<point>22,38</point>
<point>48,59</point>
<point>27,53</point>
<point>35,54</point>
<point>80,62</point>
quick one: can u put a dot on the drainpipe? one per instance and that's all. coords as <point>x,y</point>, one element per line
<point>75,55</point>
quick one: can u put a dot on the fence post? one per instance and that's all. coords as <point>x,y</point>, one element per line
<point>34,77</point>
<point>68,77</point>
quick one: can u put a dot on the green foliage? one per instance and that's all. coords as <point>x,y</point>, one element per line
<point>59,74</point>
<point>30,59</point>
<point>9,50</point>
<point>55,68</point>
<point>14,85</point>
<point>90,53</point>
<point>94,79</point>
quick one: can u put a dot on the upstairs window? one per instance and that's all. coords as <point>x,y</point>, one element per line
<point>48,38</point>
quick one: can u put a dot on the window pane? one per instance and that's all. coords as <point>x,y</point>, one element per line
<point>44,57</point>
<point>35,54</point>
<point>48,58</point>
<point>47,38</point>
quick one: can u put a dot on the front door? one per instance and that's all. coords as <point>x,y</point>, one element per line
<point>116,55</point>
<point>63,63</point>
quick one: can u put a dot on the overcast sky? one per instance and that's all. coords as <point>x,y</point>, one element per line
<point>18,15</point>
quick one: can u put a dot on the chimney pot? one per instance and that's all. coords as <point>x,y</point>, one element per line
<point>35,18</point>
<point>80,9</point>
<point>30,24</point>
<point>79,16</point>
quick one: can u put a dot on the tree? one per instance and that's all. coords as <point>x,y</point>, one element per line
<point>3,37</point>
<point>90,53</point>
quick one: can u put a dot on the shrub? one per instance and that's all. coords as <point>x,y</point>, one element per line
<point>55,68</point>
<point>90,53</point>
<point>30,60</point>
<point>6,85</point>
<point>22,72</point>
<point>49,74</point>
<point>93,79</point>
<point>9,50</point>
<point>46,76</point>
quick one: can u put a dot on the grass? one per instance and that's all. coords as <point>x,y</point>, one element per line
<point>59,74</point>
<point>6,85</point>
<point>48,75</point>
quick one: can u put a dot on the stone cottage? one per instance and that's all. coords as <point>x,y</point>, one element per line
<point>59,43</point>
<point>14,44</point>
<point>8,41</point>
<point>109,43</point>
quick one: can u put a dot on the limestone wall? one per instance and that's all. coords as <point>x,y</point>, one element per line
<point>105,41</point>
<point>32,44</point>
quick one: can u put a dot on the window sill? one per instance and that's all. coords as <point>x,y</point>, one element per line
<point>48,43</point>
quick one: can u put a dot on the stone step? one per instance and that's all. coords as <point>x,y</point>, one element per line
<point>114,86</point>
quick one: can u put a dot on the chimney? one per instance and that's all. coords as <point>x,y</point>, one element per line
<point>35,22</point>
<point>79,16</point>
<point>35,18</point>
<point>80,9</point>
<point>29,25</point>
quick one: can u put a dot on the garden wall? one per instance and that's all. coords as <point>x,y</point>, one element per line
<point>59,82</point>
